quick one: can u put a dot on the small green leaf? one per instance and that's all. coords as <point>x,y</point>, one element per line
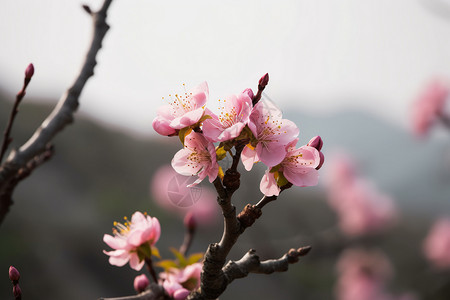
<point>193,258</point>
<point>205,117</point>
<point>167,264</point>
<point>181,259</point>
<point>155,252</point>
<point>221,153</point>
<point>183,133</point>
<point>281,180</point>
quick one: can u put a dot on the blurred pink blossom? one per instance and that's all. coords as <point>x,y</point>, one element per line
<point>179,282</point>
<point>437,244</point>
<point>170,191</point>
<point>197,158</point>
<point>272,133</point>
<point>231,120</point>
<point>429,106</point>
<point>182,111</point>
<point>362,275</point>
<point>298,167</point>
<point>360,207</point>
<point>131,238</point>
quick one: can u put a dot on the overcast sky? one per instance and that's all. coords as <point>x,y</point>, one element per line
<point>325,55</point>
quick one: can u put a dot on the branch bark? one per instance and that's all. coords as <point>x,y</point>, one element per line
<point>250,263</point>
<point>60,117</point>
<point>154,292</point>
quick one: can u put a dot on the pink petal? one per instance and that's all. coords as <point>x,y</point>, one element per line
<point>249,157</point>
<point>162,126</point>
<point>182,165</point>
<point>310,177</point>
<point>138,218</point>
<point>135,264</point>
<point>231,132</point>
<point>272,154</point>
<point>268,185</point>
<point>200,94</point>
<point>136,238</point>
<point>212,128</point>
<point>117,258</point>
<point>114,242</point>
<point>187,119</point>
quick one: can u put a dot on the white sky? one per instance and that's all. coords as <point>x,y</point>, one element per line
<point>329,55</point>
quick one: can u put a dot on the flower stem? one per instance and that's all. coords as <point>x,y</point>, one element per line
<point>149,264</point>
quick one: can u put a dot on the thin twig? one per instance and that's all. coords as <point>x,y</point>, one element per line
<point>6,136</point>
<point>60,117</point>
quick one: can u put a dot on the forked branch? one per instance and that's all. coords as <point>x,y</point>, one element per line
<point>37,146</point>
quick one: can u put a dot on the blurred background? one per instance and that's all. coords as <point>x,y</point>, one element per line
<point>349,71</point>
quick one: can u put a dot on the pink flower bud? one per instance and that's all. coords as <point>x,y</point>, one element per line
<point>189,221</point>
<point>322,160</point>
<point>17,292</point>
<point>181,294</point>
<point>141,282</point>
<point>29,71</point>
<point>264,81</point>
<point>316,142</point>
<point>249,92</point>
<point>14,275</point>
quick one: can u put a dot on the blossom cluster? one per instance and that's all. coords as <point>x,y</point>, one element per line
<point>243,119</point>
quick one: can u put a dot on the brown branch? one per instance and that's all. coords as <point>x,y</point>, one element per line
<point>250,263</point>
<point>154,292</point>
<point>60,117</point>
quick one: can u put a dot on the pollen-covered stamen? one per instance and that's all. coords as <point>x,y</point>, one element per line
<point>270,128</point>
<point>122,229</point>
<point>230,117</point>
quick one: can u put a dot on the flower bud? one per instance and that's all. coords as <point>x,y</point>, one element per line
<point>14,275</point>
<point>29,71</point>
<point>141,282</point>
<point>249,92</point>
<point>263,81</point>
<point>316,142</point>
<point>189,221</point>
<point>17,292</point>
<point>181,294</point>
<point>322,160</point>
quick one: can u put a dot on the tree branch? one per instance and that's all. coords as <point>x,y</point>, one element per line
<point>154,292</point>
<point>60,117</point>
<point>250,263</point>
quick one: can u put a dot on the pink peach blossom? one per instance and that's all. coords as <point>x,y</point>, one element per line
<point>182,111</point>
<point>197,158</point>
<point>130,237</point>
<point>179,282</point>
<point>429,106</point>
<point>231,120</point>
<point>298,167</point>
<point>271,135</point>
<point>437,244</point>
